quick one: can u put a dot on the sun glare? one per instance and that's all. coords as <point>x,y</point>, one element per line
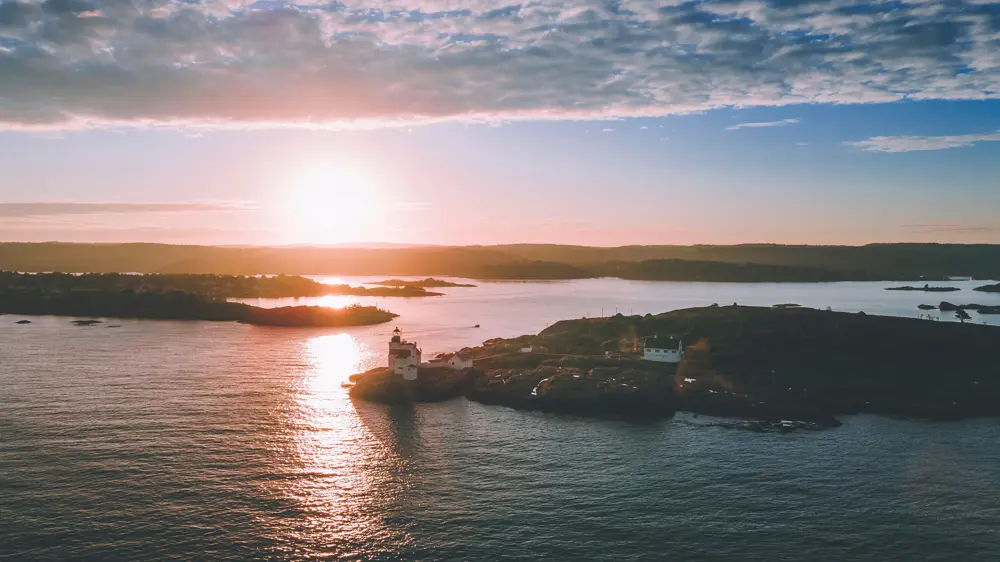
<point>331,204</point>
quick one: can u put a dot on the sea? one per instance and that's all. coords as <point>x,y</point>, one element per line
<point>164,440</point>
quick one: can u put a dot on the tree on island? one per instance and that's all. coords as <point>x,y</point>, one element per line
<point>962,315</point>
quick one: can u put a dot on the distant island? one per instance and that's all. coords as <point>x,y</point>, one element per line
<point>988,288</point>
<point>183,306</point>
<point>737,263</point>
<point>86,296</point>
<point>925,288</point>
<point>784,367</point>
<point>215,286</point>
<point>980,308</point>
<point>424,283</point>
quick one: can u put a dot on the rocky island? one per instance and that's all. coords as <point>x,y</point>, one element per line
<point>925,288</point>
<point>988,288</point>
<point>785,367</point>
<point>423,283</point>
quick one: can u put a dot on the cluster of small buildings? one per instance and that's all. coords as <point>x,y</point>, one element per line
<point>405,358</point>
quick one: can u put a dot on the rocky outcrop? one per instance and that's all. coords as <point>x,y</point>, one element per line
<point>988,288</point>
<point>980,308</point>
<point>432,385</point>
<point>782,367</point>
<point>925,288</point>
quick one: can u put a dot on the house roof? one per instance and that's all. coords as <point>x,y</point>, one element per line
<point>664,342</point>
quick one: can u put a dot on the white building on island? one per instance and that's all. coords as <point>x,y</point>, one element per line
<point>460,361</point>
<point>667,350</point>
<point>404,356</point>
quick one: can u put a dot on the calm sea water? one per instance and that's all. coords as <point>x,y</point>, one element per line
<point>195,440</point>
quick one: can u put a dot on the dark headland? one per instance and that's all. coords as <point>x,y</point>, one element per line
<point>988,288</point>
<point>788,367</point>
<point>155,297</point>
<point>216,286</point>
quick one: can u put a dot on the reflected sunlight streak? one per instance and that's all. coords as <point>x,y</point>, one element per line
<point>344,477</point>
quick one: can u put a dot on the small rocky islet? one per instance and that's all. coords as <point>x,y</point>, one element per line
<point>925,288</point>
<point>780,368</point>
<point>946,306</point>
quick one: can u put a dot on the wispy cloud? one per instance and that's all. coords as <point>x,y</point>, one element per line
<point>54,209</point>
<point>781,123</point>
<point>914,143</point>
<point>203,64</point>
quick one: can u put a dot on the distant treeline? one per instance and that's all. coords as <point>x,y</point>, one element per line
<point>214,286</point>
<point>671,270</point>
<point>526,261</point>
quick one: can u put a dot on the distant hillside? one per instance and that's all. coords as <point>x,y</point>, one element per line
<point>528,261</point>
<point>684,270</point>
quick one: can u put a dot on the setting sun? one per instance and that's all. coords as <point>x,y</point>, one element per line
<point>330,204</point>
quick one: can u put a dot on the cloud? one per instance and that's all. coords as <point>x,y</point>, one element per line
<point>55,209</point>
<point>914,143</point>
<point>781,123</point>
<point>225,64</point>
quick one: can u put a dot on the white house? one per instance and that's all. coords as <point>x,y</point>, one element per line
<point>667,350</point>
<point>526,349</point>
<point>404,356</point>
<point>460,361</point>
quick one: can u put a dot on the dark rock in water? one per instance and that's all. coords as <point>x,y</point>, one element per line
<point>23,322</point>
<point>980,308</point>
<point>115,326</point>
<point>86,322</point>
<point>926,307</point>
<point>925,288</point>
<point>989,288</point>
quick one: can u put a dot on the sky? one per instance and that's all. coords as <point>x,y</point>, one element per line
<point>483,122</point>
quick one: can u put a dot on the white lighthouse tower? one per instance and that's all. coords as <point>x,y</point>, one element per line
<point>404,356</point>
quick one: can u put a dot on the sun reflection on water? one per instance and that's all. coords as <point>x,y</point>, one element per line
<point>333,301</point>
<point>348,477</point>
